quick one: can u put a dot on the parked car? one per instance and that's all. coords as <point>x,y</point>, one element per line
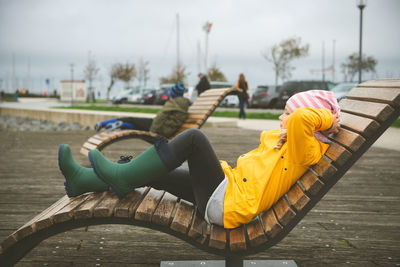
<point>293,87</point>
<point>149,96</point>
<point>264,96</point>
<point>229,100</point>
<point>340,90</point>
<point>162,94</point>
<point>128,96</point>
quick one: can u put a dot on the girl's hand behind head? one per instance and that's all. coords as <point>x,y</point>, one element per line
<point>335,126</point>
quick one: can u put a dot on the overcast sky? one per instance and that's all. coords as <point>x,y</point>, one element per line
<point>51,34</point>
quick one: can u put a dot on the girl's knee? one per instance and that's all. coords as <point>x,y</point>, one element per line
<point>196,133</point>
<point>190,137</point>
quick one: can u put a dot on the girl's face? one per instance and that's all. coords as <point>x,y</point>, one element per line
<point>284,116</point>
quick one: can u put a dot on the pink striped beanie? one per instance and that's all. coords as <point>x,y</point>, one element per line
<point>315,99</point>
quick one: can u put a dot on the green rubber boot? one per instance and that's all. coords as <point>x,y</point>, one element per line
<point>78,179</point>
<point>124,178</point>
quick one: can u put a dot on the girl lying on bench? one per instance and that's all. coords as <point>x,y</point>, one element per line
<point>224,195</point>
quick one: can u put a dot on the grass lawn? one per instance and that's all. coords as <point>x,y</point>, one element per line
<point>225,114</point>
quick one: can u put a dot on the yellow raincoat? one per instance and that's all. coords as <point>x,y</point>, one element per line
<point>264,174</point>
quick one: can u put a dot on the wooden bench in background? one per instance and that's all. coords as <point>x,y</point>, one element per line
<point>367,112</point>
<point>199,112</point>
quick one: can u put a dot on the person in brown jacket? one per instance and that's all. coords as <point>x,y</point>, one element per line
<point>243,96</point>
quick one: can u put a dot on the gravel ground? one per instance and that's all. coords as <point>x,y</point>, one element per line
<point>10,123</point>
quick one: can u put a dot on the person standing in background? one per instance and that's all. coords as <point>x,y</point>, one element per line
<point>243,96</point>
<point>203,84</point>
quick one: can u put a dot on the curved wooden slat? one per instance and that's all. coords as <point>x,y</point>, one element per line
<point>186,126</point>
<point>297,197</point>
<point>205,102</point>
<point>381,83</point>
<point>90,146</point>
<point>271,225</point>
<point>85,209</point>
<point>105,207</point>
<point>365,126</point>
<point>237,239</point>
<point>195,116</point>
<point>338,154</point>
<point>163,212</point>
<point>183,217</point>
<point>349,139</point>
<point>93,140</point>
<point>67,212</point>
<point>256,233</point>
<point>311,183</point>
<point>215,92</point>
<point>283,211</point>
<point>200,108</point>
<point>127,206</point>
<point>324,169</point>
<point>84,151</point>
<point>146,208</point>
<point>217,237</point>
<point>373,94</point>
<point>198,228</point>
<point>376,111</point>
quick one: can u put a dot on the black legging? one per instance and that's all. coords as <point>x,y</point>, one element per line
<point>142,124</point>
<point>205,172</point>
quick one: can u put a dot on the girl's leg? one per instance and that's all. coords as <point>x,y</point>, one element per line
<point>148,167</point>
<point>142,124</point>
<point>155,163</point>
<point>205,169</point>
<point>176,182</point>
<point>79,180</point>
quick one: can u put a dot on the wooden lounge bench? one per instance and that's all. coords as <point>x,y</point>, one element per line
<point>366,113</point>
<point>199,112</point>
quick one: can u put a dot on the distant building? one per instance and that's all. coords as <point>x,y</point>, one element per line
<point>78,93</point>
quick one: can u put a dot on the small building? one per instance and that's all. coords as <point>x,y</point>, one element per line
<point>74,88</point>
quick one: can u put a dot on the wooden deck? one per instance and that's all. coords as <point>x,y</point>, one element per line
<point>356,224</point>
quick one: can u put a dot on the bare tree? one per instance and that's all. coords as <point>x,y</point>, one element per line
<point>126,72</point>
<point>143,72</point>
<point>350,66</point>
<point>282,54</point>
<point>91,70</point>
<point>215,74</point>
<point>114,73</point>
<point>179,74</point>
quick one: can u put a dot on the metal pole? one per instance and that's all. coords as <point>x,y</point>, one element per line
<point>198,57</point>
<point>177,41</point>
<point>323,61</point>
<point>206,54</point>
<point>72,83</point>
<point>206,28</point>
<point>361,7</point>
<point>333,61</point>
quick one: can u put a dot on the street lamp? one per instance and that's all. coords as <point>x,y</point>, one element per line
<point>361,5</point>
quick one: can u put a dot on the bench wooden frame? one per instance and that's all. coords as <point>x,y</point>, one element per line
<point>366,113</point>
<point>199,112</point>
